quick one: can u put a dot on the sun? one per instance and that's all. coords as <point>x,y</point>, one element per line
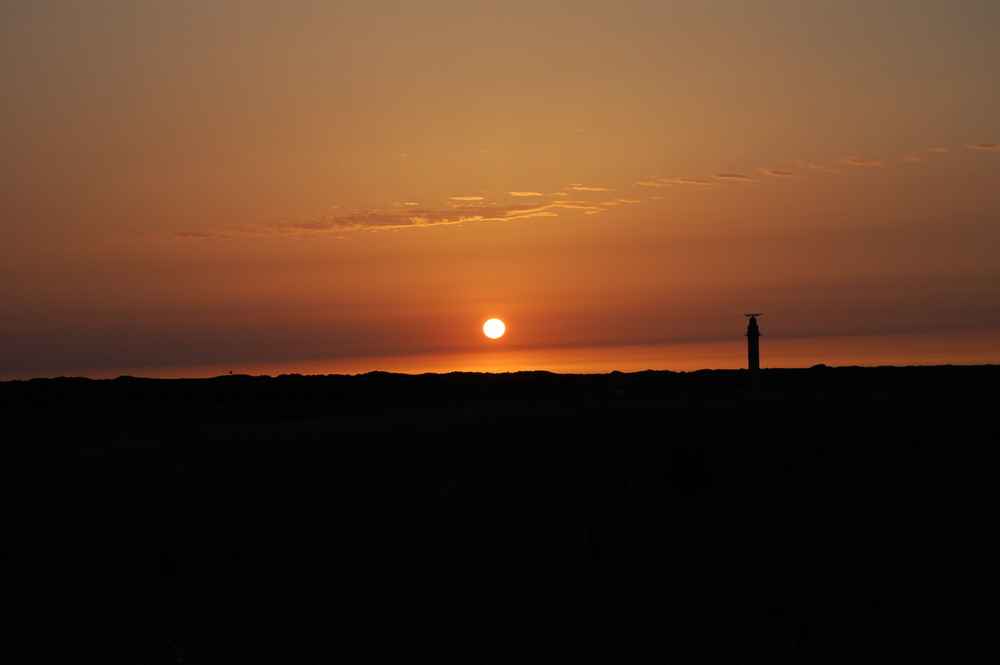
<point>494,328</point>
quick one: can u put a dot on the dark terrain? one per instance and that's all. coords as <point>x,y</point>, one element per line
<point>844,515</point>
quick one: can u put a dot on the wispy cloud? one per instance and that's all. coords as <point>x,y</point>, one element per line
<point>779,174</point>
<point>857,161</point>
<point>379,220</point>
<point>691,181</point>
<point>577,187</point>
<point>659,181</point>
<point>817,167</point>
<point>475,208</point>
<point>376,220</point>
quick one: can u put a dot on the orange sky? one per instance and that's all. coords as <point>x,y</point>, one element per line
<point>190,188</point>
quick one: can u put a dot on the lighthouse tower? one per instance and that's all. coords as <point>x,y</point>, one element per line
<point>753,353</point>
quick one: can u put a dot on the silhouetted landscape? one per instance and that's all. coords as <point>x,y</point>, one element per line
<point>845,514</point>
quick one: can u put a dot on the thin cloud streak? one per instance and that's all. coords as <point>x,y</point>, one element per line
<point>692,181</point>
<point>857,161</point>
<point>780,174</point>
<point>817,167</point>
<point>376,220</point>
<point>470,208</point>
<point>577,187</point>
<point>659,181</point>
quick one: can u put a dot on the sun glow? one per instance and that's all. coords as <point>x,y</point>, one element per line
<point>494,328</point>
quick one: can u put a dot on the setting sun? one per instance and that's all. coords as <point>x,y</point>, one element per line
<point>494,328</point>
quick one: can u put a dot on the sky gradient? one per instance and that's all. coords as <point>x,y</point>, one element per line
<point>191,188</point>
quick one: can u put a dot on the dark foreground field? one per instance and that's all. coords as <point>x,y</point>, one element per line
<point>847,515</point>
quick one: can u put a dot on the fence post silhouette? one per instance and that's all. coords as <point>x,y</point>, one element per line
<point>753,354</point>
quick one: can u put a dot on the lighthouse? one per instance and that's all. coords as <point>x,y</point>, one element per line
<point>753,354</point>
